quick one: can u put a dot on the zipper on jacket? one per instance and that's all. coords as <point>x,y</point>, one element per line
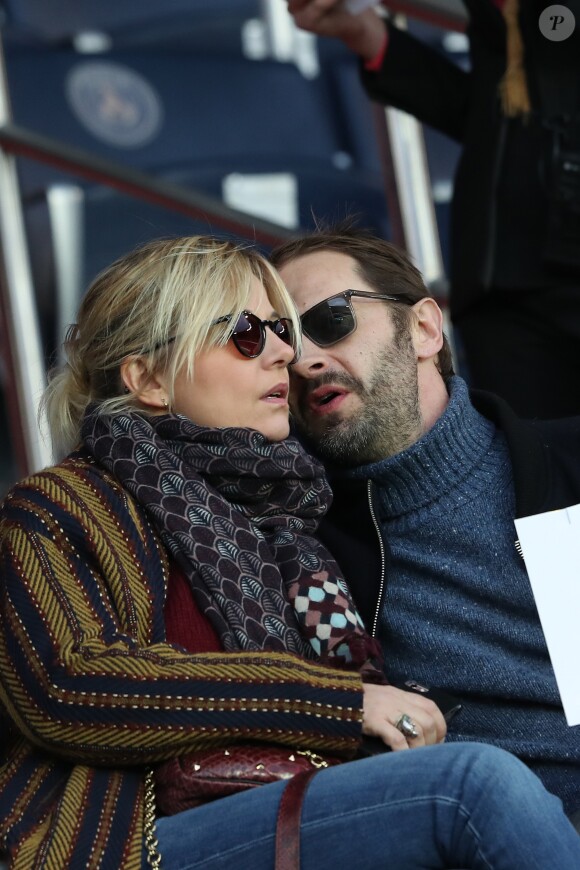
<point>382,549</point>
<point>489,262</point>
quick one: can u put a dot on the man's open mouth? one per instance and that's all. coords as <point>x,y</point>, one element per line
<point>326,398</point>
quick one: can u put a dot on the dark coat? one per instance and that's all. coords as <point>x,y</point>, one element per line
<point>500,207</point>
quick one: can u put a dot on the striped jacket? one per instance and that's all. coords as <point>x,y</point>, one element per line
<point>90,693</point>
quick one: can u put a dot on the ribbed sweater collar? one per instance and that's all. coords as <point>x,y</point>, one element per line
<point>449,452</point>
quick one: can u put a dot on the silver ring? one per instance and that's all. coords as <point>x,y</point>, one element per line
<point>406,726</point>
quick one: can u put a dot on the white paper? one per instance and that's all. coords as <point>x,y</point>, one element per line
<point>551,548</point>
<point>356,6</point>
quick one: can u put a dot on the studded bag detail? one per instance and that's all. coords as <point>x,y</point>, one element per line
<point>203,776</point>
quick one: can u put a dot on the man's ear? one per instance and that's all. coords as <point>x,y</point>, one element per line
<point>149,388</point>
<point>428,328</point>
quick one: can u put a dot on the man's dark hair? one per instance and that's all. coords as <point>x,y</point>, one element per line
<point>383,266</point>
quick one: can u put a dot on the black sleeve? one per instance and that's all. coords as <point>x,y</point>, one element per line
<point>420,81</point>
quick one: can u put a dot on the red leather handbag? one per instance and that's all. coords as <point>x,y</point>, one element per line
<point>203,776</point>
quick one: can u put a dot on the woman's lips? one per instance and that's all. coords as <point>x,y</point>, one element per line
<point>277,395</point>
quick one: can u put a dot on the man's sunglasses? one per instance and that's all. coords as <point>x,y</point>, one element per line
<point>333,319</point>
<point>249,333</point>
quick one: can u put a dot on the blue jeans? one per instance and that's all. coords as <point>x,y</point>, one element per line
<point>456,805</point>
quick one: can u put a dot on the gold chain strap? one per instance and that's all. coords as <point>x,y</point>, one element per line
<point>151,842</point>
<point>315,760</point>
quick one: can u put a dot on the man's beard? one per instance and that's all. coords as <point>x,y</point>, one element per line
<point>389,419</point>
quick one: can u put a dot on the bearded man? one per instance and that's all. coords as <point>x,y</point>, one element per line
<point>427,481</point>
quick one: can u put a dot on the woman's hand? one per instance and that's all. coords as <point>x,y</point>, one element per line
<point>363,33</point>
<point>383,706</point>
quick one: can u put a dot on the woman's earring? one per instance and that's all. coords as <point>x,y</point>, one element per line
<point>165,403</point>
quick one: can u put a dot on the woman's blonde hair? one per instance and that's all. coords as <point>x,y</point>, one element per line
<point>159,302</point>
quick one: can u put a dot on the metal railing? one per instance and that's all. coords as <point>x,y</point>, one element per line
<point>25,373</point>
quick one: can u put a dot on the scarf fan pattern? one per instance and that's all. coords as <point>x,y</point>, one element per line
<point>238,513</point>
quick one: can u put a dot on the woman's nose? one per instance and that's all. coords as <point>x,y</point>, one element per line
<point>279,348</point>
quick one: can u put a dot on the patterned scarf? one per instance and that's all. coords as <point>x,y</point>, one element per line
<point>238,513</point>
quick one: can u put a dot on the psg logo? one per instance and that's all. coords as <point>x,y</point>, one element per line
<point>113,102</point>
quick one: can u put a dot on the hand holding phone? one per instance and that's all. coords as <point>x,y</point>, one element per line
<point>447,703</point>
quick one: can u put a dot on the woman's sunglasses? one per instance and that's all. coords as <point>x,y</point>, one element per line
<point>333,319</point>
<point>249,333</point>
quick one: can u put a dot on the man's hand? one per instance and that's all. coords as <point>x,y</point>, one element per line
<point>383,706</point>
<point>363,33</point>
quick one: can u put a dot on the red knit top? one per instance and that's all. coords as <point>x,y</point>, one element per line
<point>185,623</point>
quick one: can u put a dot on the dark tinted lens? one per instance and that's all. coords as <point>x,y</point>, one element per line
<point>248,335</point>
<point>329,321</point>
<point>283,329</point>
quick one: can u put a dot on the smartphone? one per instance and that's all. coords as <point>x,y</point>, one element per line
<point>448,704</point>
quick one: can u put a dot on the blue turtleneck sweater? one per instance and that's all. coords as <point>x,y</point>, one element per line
<point>458,611</point>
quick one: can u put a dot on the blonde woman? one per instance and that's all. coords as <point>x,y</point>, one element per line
<point>162,590</point>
